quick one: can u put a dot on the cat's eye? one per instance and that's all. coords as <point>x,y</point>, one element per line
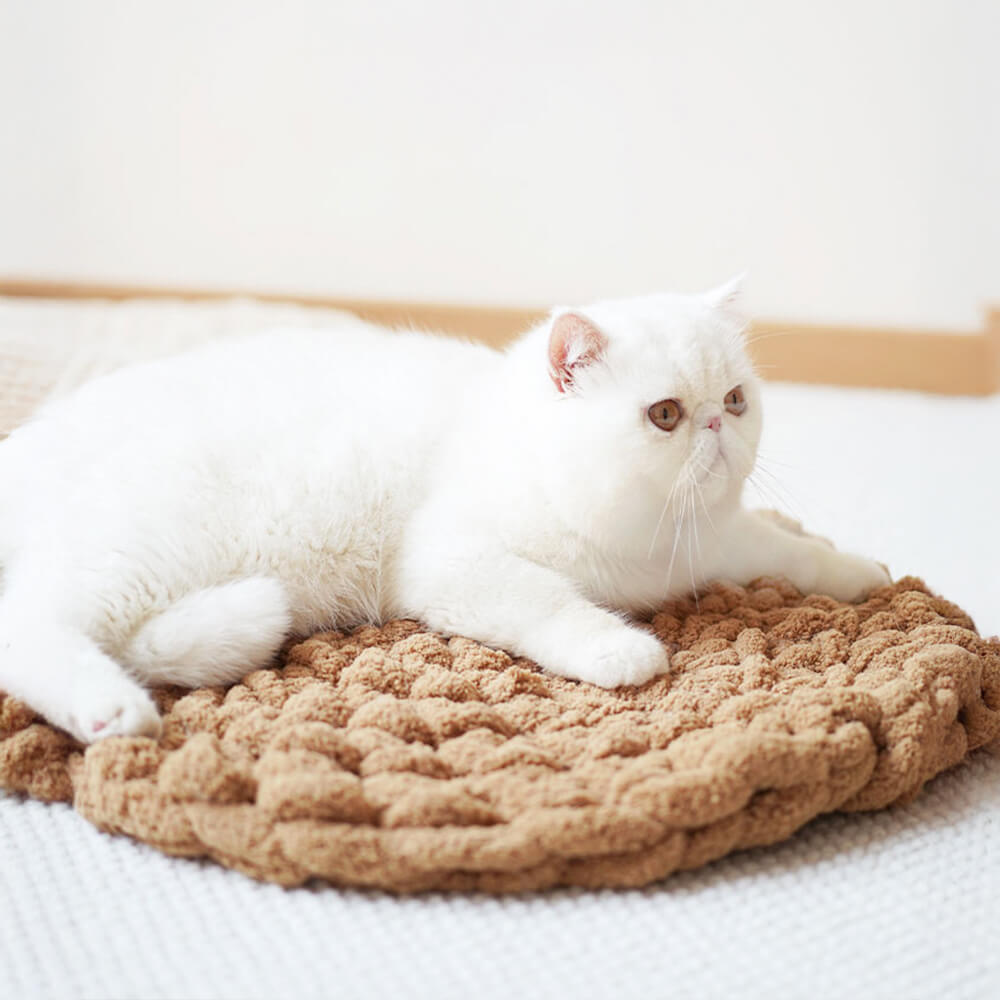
<point>666,414</point>
<point>735,401</point>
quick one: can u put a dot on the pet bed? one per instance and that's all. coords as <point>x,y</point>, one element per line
<point>400,759</point>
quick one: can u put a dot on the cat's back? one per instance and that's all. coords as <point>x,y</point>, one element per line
<point>280,379</point>
<point>273,413</point>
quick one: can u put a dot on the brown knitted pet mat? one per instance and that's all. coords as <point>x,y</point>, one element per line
<point>395,758</point>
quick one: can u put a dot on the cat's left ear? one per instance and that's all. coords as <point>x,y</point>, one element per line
<point>574,343</point>
<point>727,300</point>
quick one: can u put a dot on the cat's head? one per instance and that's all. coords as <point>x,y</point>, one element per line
<point>655,408</point>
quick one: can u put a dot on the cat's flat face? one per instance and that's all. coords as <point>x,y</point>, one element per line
<point>659,401</point>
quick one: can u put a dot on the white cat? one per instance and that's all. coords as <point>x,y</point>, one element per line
<point>174,522</point>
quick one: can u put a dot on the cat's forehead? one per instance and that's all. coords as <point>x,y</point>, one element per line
<point>672,344</point>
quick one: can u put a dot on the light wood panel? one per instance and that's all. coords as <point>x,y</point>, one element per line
<point>940,362</point>
<point>950,363</point>
<point>993,346</point>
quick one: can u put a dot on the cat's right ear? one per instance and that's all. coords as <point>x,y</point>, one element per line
<point>574,343</point>
<point>727,301</point>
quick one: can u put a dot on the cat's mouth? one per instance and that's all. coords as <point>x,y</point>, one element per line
<point>708,468</point>
<point>719,466</point>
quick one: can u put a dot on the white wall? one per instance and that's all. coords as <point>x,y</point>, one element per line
<point>846,152</point>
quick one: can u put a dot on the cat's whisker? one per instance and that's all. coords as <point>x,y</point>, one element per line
<point>771,335</point>
<point>694,523</point>
<point>704,507</point>
<point>771,497</point>
<point>708,471</point>
<point>656,530</point>
<point>762,470</point>
<point>763,490</point>
<point>678,522</point>
<point>659,522</point>
<point>696,486</point>
<point>771,460</point>
<point>777,488</point>
<point>673,557</point>
<point>694,530</point>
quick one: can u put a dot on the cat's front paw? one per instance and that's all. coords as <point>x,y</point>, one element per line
<point>118,709</point>
<point>625,656</point>
<point>849,577</point>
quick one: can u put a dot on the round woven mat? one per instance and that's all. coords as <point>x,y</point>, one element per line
<point>393,757</point>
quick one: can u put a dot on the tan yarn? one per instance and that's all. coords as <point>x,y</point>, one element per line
<point>395,758</point>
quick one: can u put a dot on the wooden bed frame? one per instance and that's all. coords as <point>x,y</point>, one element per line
<point>931,361</point>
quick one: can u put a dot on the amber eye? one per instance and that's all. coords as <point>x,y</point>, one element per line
<point>736,402</point>
<point>666,414</point>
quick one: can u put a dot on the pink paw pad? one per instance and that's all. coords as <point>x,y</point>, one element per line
<point>97,726</point>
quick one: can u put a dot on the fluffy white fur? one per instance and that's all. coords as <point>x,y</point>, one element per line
<point>176,521</point>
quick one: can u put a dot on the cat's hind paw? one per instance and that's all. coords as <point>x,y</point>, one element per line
<point>124,709</point>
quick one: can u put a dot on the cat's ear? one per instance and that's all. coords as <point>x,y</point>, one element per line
<point>727,300</point>
<point>574,343</point>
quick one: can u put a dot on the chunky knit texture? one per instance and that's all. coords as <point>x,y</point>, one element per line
<point>396,758</point>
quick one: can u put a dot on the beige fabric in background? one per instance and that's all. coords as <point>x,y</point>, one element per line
<point>49,347</point>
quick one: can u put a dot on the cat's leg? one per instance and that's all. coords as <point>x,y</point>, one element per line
<point>535,612</point>
<point>212,636</point>
<point>64,676</point>
<point>752,545</point>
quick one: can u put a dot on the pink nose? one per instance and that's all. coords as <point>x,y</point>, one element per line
<point>714,424</point>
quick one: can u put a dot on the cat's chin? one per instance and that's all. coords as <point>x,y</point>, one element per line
<point>714,481</point>
<point>715,474</point>
<point>719,467</point>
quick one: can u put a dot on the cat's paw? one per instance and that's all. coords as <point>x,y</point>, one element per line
<point>108,709</point>
<point>624,656</point>
<point>849,577</point>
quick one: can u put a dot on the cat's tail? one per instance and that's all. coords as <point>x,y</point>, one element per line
<point>212,636</point>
